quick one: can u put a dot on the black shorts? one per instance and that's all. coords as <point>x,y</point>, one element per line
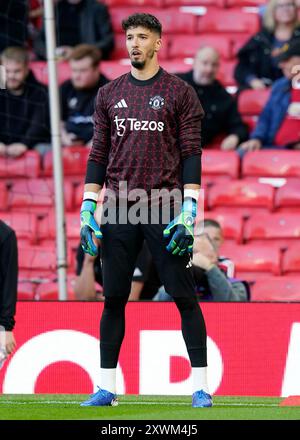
<point>121,245</point>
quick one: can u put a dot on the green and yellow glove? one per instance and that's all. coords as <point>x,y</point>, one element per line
<point>88,227</point>
<point>181,229</point>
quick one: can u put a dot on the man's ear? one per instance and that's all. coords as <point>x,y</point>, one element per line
<point>158,45</point>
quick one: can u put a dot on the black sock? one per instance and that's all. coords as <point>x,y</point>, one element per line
<point>193,330</point>
<point>112,331</point>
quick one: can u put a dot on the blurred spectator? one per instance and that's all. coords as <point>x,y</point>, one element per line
<point>278,125</point>
<point>221,113</point>
<point>8,286</point>
<point>23,106</point>
<point>36,10</point>
<point>257,67</point>
<point>78,95</point>
<point>79,21</point>
<point>13,23</point>
<point>145,281</point>
<point>213,273</point>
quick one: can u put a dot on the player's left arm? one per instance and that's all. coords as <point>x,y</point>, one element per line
<point>181,229</point>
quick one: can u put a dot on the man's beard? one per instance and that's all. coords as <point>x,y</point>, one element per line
<point>138,64</point>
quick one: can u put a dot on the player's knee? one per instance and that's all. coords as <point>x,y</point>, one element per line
<point>186,304</point>
<point>116,303</point>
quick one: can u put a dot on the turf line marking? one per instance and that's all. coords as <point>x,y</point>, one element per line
<point>122,402</point>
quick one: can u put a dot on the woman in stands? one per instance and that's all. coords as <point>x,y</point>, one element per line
<point>257,67</point>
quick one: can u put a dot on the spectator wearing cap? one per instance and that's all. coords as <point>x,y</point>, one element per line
<point>278,125</point>
<point>258,67</point>
<point>221,114</point>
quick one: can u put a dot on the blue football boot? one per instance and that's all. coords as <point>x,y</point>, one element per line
<point>201,399</point>
<point>101,398</point>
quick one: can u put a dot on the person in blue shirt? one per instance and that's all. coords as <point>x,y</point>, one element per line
<point>283,106</point>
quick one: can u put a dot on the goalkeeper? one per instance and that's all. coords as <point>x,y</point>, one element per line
<point>146,134</point>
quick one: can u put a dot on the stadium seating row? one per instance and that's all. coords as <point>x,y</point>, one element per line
<point>216,163</point>
<point>167,3</point>
<point>278,230</point>
<point>266,288</point>
<point>36,195</point>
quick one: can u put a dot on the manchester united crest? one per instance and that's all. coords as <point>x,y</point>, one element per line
<point>157,102</point>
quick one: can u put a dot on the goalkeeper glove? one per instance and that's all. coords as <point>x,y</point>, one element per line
<point>88,226</point>
<point>182,229</point>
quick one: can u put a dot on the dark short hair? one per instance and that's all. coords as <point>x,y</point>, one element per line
<point>86,50</point>
<point>147,21</point>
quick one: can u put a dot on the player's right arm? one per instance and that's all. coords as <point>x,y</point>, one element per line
<point>95,176</point>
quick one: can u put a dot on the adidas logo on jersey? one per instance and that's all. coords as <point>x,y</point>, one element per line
<point>121,104</point>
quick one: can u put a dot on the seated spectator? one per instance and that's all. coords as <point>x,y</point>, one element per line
<point>78,95</point>
<point>278,125</point>
<point>79,21</point>
<point>221,113</point>
<point>145,281</point>
<point>213,273</point>
<point>13,23</point>
<point>257,67</point>
<point>24,108</point>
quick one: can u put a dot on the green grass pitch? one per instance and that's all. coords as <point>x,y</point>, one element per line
<point>66,407</point>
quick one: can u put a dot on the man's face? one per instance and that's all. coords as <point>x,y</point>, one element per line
<point>206,66</point>
<point>83,74</point>
<point>215,235</point>
<point>16,74</point>
<point>142,44</point>
<point>287,66</point>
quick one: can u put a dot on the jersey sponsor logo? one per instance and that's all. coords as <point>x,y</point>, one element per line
<point>156,102</point>
<point>121,104</point>
<point>133,124</point>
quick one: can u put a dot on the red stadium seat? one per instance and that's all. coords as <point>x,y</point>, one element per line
<point>172,19</point>
<point>23,223</point>
<point>240,193</point>
<point>144,3</point>
<point>243,3</point>
<point>28,165</point>
<point>238,42</point>
<point>39,262</point>
<point>274,163</point>
<point>225,74</point>
<point>113,69</point>
<point>186,46</point>
<point>276,289</point>
<point>228,20</point>
<point>3,196</point>
<point>273,226</point>
<point>49,292</point>
<point>222,163</point>
<point>37,195</point>
<point>288,196</point>
<point>47,228</point>
<point>219,3</point>
<point>74,161</point>
<point>231,224</point>
<point>252,102</point>
<point>176,66</point>
<point>26,291</point>
<point>251,121</point>
<point>40,70</point>
<point>253,258</point>
<point>291,259</point>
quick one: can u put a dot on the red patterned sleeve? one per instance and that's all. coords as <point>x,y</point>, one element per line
<point>190,114</point>
<point>102,131</point>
